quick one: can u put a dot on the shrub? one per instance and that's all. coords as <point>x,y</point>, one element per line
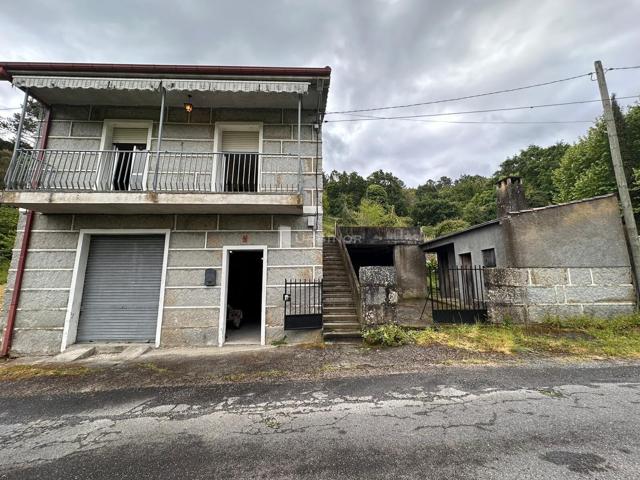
<point>388,336</point>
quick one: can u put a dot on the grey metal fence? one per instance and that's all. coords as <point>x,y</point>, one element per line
<point>143,170</point>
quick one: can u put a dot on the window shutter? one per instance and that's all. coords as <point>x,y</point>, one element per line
<point>130,135</point>
<point>239,141</point>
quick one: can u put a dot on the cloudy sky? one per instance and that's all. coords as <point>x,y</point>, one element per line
<point>383,52</point>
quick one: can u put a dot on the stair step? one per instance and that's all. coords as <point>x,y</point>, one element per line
<point>342,334</point>
<point>329,317</point>
<point>340,327</point>
<point>339,311</point>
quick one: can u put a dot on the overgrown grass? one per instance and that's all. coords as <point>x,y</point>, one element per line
<point>23,372</point>
<point>388,336</point>
<point>618,337</point>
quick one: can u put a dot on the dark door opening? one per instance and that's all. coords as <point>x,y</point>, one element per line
<point>124,161</point>
<point>244,297</point>
<point>240,172</point>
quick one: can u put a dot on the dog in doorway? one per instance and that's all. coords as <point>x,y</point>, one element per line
<point>234,317</point>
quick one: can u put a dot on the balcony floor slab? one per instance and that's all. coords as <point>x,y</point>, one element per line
<point>154,203</point>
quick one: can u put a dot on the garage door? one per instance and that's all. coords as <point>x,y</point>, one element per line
<point>121,289</point>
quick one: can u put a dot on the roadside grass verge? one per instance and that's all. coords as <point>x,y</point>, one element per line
<point>24,372</point>
<point>617,337</point>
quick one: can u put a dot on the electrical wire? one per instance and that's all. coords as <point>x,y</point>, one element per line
<point>466,97</point>
<point>488,110</point>
<point>478,95</point>
<point>623,68</point>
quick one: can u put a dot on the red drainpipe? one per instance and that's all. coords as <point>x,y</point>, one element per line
<point>24,250</point>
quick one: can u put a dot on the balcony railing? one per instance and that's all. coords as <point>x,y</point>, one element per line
<point>143,170</point>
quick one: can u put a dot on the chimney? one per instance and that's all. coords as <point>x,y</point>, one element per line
<point>510,196</point>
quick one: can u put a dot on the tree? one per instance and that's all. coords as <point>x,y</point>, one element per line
<point>377,194</point>
<point>481,208</point>
<point>444,228</point>
<point>585,169</point>
<point>344,191</point>
<point>535,165</point>
<point>9,126</point>
<point>430,210</point>
<point>394,188</point>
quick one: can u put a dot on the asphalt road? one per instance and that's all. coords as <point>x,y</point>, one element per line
<point>470,423</point>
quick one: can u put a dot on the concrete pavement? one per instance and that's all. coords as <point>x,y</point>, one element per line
<point>470,423</point>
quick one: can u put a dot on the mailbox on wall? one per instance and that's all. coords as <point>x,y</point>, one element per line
<point>210,277</point>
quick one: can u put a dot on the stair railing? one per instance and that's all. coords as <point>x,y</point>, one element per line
<point>354,283</point>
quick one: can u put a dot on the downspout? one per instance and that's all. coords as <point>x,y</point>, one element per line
<point>300,190</point>
<point>24,248</point>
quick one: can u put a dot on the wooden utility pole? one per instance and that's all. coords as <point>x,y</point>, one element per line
<point>621,179</point>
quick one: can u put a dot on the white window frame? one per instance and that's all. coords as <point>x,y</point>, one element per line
<point>72,316</point>
<point>222,322</point>
<point>107,134</point>
<point>221,127</point>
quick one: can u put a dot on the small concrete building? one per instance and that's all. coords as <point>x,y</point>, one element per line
<point>583,233</point>
<point>566,259</point>
<point>391,272</point>
<point>163,204</point>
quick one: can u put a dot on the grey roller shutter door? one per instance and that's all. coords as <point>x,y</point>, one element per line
<point>121,289</point>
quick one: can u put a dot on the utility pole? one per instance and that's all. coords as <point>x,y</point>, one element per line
<point>621,180</point>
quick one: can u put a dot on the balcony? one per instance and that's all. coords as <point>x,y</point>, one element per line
<point>142,181</point>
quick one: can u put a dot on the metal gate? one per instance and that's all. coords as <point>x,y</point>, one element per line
<point>302,304</point>
<point>457,294</point>
<point>121,294</point>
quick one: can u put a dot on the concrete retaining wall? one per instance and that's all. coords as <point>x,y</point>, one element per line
<point>379,295</point>
<point>190,315</point>
<point>533,294</point>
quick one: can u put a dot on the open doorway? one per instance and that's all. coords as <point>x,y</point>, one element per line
<point>126,165</point>
<point>244,307</point>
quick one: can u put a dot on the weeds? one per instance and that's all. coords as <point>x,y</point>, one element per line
<point>153,367</point>
<point>280,342</point>
<point>23,372</point>
<point>579,336</point>
<point>388,335</point>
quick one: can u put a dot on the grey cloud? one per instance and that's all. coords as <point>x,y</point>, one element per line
<point>382,52</point>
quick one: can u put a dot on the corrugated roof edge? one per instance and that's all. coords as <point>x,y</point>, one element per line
<point>519,212</point>
<point>8,68</point>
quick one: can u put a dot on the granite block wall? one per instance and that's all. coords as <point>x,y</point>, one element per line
<point>191,310</point>
<point>526,295</point>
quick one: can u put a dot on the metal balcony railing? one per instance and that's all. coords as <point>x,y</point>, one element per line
<point>143,170</point>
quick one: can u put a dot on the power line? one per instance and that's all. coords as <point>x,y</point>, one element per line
<point>466,97</point>
<point>10,108</point>
<point>489,110</point>
<point>623,68</point>
<point>497,122</point>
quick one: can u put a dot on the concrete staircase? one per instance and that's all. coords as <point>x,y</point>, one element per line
<point>340,317</point>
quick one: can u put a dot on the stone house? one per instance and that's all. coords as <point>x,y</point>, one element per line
<point>561,260</point>
<point>162,200</point>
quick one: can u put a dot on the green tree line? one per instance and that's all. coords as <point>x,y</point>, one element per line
<point>558,173</point>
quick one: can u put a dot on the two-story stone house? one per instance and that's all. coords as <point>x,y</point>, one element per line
<point>164,204</point>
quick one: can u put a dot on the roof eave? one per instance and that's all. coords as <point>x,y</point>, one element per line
<point>92,69</point>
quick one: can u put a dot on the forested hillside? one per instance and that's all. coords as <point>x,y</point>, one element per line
<point>553,174</point>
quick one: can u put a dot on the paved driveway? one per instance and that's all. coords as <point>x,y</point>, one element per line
<point>472,423</point>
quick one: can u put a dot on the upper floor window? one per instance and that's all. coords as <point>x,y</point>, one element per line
<point>239,167</point>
